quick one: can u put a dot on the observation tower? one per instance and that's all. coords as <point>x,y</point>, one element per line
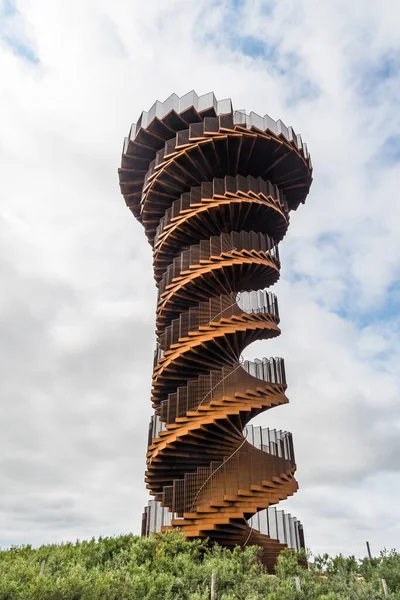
<point>213,188</point>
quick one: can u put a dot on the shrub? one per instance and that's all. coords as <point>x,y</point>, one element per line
<point>166,567</point>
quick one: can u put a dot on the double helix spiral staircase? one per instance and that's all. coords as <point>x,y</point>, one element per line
<point>213,189</point>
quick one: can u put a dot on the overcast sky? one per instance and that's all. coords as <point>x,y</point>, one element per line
<point>77,295</point>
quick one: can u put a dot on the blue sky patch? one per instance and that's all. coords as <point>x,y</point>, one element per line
<point>252,46</point>
<point>389,152</point>
<point>18,46</point>
<point>373,77</point>
<point>8,8</point>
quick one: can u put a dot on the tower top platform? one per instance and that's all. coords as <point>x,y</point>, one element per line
<point>180,137</point>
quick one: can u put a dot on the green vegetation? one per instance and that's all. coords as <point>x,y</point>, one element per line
<point>166,567</point>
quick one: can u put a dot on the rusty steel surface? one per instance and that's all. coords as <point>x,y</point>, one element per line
<point>213,189</point>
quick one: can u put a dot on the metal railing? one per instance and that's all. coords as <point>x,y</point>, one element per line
<point>156,425</point>
<point>224,107</point>
<point>215,310</point>
<point>158,354</point>
<point>280,526</point>
<point>277,443</point>
<point>178,404</point>
<point>274,523</point>
<point>199,129</point>
<point>211,475</point>
<point>215,247</point>
<point>245,467</point>
<point>222,382</point>
<point>155,516</point>
<point>217,188</point>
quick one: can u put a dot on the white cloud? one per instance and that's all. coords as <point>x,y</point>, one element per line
<point>77,300</point>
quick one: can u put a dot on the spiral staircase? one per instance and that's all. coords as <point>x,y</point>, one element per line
<point>213,189</point>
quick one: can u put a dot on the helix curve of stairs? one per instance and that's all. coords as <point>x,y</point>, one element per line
<point>213,189</point>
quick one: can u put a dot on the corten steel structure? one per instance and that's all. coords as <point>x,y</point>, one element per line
<point>213,189</point>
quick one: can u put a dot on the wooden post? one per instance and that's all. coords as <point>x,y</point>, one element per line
<point>42,567</point>
<point>385,589</point>
<point>297,583</point>
<point>369,551</point>
<point>213,585</point>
